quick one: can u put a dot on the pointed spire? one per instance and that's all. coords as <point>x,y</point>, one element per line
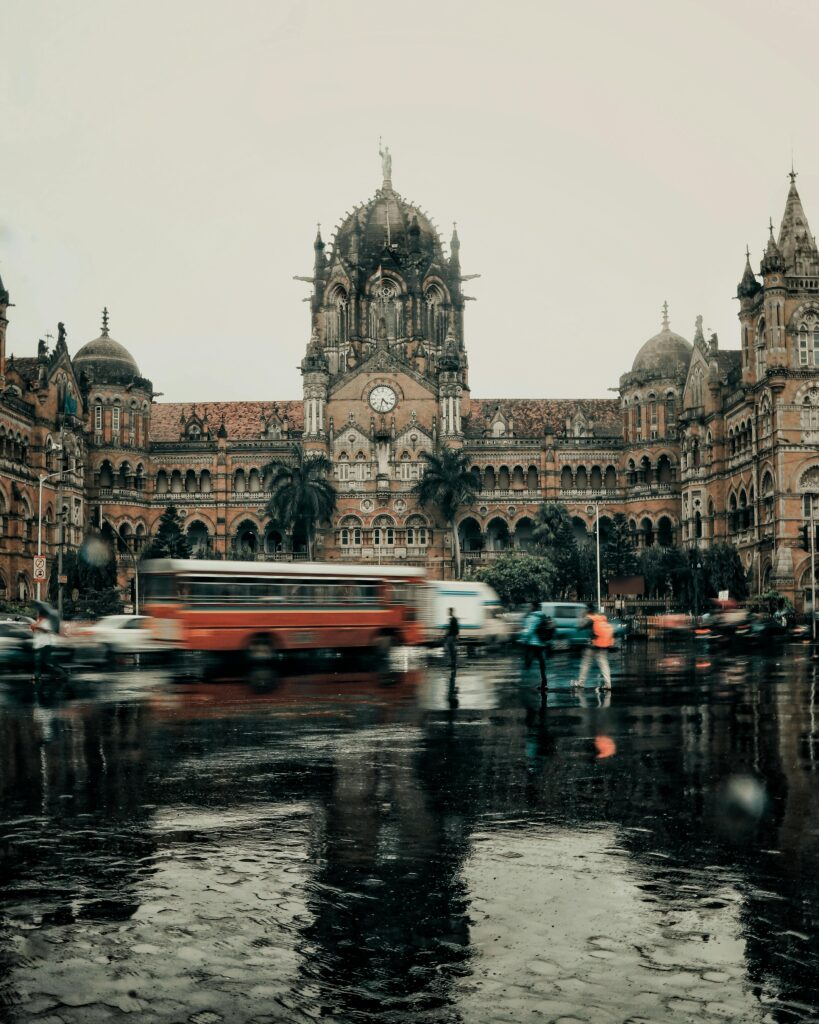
<point>794,232</point>
<point>319,242</point>
<point>4,295</point>
<point>105,321</point>
<point>698,335</point>
<point>748,286</point>
<point>772,261</point>
<point>666,326</point>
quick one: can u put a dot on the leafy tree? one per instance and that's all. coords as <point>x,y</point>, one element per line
<point>91,590</point>
<point>302,495</point>
<point>587,572</point>
<point>617,556</point>
<point>652,564</point>
<point>554,535</point>
<point>520,578</point>
<point>447,484</point>
<point>169,540</point>
<point>723,570</point>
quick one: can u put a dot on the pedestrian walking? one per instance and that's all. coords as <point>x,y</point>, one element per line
<point>601,639</point>
<point>536,636</point>
<point>453,631</point>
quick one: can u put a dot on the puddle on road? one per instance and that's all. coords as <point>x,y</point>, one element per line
<point>398,849</point>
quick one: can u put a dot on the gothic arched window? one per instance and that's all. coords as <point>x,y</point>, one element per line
<point>808,335</point>
<point>809,416</point>
<point>436,325</point>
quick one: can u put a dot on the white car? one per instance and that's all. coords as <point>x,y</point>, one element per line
<point>123,634</point>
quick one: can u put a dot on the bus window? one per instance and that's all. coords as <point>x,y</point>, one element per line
<point>158,587</point>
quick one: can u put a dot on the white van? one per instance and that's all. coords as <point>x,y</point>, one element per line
<point>477,608</point>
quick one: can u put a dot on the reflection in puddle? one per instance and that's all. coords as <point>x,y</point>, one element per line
<point>406,846</point>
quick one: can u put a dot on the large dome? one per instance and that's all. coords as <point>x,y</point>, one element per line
<point>387,221</point>
<point>665,354</point>
<point>105,360</point>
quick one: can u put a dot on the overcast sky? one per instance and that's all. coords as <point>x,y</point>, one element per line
<point>170,159</point>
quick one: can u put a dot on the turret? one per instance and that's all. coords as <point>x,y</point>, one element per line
<point>315,378</point>
<point>4,304</point>
<point>455,251</point>
<point>748,287</point>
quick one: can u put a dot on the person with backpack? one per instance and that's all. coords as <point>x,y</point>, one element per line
<point>601,639</point>
<point>536,637</point>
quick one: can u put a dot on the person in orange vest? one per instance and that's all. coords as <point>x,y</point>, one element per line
<point>601,638</point>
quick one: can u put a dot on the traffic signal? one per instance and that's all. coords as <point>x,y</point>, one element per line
<point>804,541</point>
<point>96,517</point>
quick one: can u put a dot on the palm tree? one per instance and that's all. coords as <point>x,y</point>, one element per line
<point>448,484</point>
<point>301,493</point>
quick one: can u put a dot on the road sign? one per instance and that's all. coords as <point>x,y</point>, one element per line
<point>63,580</point>
<point>39,568</point>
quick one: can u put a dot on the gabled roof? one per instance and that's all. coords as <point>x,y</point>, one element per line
<point>243,420</point>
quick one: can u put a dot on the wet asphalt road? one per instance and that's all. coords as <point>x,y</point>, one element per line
<point>377,848</point>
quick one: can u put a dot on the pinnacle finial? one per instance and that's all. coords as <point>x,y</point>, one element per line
<point>665,316</point>
<point>792,173</point>
<point>747,253</point>
<point>105,321</point>
<point>770,226</point>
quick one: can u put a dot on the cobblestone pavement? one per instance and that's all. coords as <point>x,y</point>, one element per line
<point>390,848</point>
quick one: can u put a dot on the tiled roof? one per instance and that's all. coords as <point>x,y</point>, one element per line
<point>531,416</point>
<point>243,420</point>
<point>28,367</point>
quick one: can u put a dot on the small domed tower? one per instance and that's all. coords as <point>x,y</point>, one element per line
<point>651,401</point>
<point>651,393</point>
<point>118,399</point>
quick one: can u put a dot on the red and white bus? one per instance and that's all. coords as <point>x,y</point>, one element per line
<point>263,609</point>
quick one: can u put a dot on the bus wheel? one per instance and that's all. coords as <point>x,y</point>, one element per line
<point>260,651</point>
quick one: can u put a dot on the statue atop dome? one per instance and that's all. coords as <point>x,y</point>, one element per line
<point>386,164</point>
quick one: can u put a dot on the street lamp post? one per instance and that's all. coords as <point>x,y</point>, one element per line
<point>43,479</point>
<point>595,508</point>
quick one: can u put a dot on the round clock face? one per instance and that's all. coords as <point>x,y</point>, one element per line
<point>382,398</point>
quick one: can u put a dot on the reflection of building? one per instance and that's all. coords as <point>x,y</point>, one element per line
<point>701,443</point>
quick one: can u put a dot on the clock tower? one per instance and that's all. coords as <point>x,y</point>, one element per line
<point>385,375</point>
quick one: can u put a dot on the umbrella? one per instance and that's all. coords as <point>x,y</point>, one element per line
<point>49,613</point>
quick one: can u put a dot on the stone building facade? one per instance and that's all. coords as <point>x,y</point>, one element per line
<point>702,444</point>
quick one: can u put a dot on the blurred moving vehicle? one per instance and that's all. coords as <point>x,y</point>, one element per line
<point>116,635</point>
<point>567,617</point>
<point>16,645</point>
<point>477,608</point>
<point>261,610</point>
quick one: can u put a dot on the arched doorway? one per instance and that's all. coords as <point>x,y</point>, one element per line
<point>523,534</point>
<point>247,539</point>
<point>497,535</point>
<point>665,532</point>
<point>199,539</point>
<point>470,536</point>
<point>274,540</point>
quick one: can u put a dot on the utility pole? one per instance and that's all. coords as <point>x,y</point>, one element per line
<point>596,509</point>
<point>812,572</point>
